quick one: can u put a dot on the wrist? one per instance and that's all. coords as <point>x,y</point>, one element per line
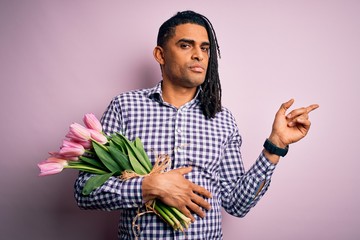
<point>276,141</point>
<point>272,158</point>
<point>149,190</point>
<point>274,149</point>
<point>146,189</point>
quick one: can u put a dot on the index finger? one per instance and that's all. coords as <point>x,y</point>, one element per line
<point>311,107</point>
<point>201,190</point>
<point>183,170</point>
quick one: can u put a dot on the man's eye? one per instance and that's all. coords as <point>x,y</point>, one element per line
<point>184,45</point>
<point>205,49</point>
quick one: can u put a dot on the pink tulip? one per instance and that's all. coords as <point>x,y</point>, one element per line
<point>78,132</point>
<point>56,160</point>
<point>98,136</point>
<point>52,166</point>
<point>92,122</point>
<point>77,146</point>
<point>58,155</point>
<point>72,151</point>
<point>85,144</point>
<point>71,144</point>
<point>71,136</point>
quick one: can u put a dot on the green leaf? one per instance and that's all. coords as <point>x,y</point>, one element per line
<point>140,147</point>
<point>120,142</point>
<point>136,165</point>
<point>85,167</point>
<point>132,150</point>
<point>105,157</point>
<point>94,162</point>
<point>119,157</point>
<point>94,182</point>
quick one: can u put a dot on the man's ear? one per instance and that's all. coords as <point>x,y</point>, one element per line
<point>159,55</point>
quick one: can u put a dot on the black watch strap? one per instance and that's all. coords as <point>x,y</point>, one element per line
<point>273,149</point>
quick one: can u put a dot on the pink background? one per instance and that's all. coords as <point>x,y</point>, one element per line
<point>62,59</point>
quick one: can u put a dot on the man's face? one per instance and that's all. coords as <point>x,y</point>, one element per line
<point>186,56</point>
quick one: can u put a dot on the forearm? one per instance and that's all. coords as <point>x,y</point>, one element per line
<point>112,195</point>
<point>249,188</point>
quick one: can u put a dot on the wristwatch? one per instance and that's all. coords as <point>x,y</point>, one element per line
<point>273,149</point>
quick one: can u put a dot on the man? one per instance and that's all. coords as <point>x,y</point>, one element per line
<point>182,116</point>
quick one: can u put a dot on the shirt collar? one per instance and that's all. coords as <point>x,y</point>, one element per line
<point>155,93</point>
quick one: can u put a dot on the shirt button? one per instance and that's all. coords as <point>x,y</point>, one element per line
<point>178,149</point>
<point>178,130</point>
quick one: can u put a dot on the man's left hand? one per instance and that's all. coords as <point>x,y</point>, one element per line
<point>290,128</point>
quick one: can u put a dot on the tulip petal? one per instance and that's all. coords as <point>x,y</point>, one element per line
<point>72,151</point>
<point>98,136</point>
<point>72,144</point>
<point>92,122</point>
<point>50,168</point>
<point>79,132</point>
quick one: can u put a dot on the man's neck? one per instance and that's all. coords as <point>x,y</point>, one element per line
<point>176,95</point>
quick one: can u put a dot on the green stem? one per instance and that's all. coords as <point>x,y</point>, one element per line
<point>170,214</point>
<point>86,168</point>
<point>164,215</point>
<point>181,215</point>
<point>89,151</point>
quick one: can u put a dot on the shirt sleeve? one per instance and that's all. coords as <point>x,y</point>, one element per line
<point>239,188</point>
<point>114,193</point>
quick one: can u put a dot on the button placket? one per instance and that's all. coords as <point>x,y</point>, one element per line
<point>179,148</point>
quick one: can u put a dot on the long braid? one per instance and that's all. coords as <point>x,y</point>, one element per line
<point>211,96</point>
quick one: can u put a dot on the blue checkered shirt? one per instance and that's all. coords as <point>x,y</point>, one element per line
<point>211,147</point>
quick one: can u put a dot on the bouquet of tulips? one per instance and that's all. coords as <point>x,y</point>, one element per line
<point>87,148</point>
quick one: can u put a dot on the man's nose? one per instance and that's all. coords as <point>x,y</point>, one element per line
<point>198,54</point>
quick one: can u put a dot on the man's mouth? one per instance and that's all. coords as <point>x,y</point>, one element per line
<point>197,68</point>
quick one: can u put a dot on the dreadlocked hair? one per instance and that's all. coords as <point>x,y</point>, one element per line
<point>210,96</point>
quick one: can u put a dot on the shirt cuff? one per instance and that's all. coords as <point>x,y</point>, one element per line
<point>131,195</point>
<point>263,168</point>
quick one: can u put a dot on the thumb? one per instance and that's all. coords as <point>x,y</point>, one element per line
<point>183,170</point>
<point>285,106</point>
